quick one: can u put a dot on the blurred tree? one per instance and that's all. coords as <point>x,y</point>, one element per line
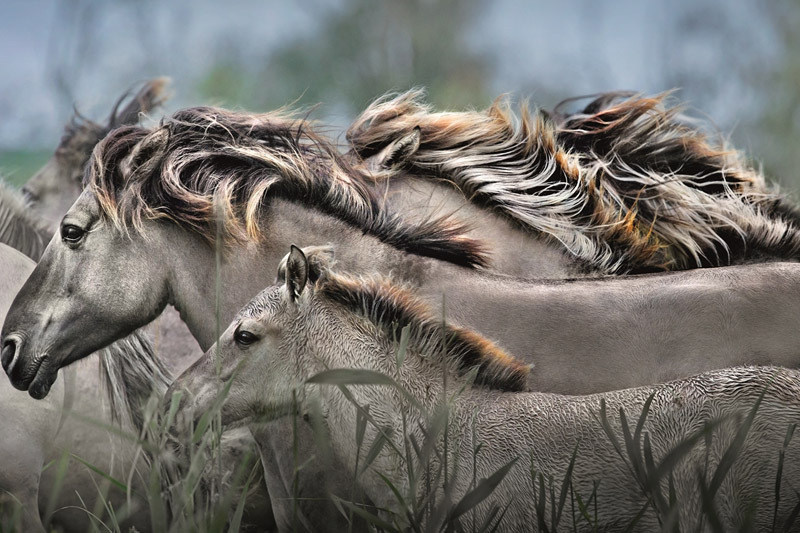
<point>363,49</point>
<point>778,126</point>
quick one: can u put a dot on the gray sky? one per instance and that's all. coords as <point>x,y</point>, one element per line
<point>546,50</point>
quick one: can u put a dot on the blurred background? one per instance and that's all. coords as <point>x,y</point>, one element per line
<point>735,63</point>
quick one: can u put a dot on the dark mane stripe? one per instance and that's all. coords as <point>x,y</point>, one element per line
<point>204,161</point>
<point>392,308</point>
<point>625,186</point>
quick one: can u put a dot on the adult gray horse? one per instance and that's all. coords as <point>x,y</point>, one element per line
<point>127,373</point>
<point>55,187</point>
<point>267,363</point>
<point>138,238</point>
<point>38,433</point>
<point>626,185</point>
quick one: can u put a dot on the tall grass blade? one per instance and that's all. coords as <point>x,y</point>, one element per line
<point>735,448</point>
<point>351,376</point>
<point>117,483</point>
<point>370,518</point>
<point>482,491</point>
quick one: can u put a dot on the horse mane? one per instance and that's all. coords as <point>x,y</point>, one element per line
<point>82,134</point>
<point>626,185</point>
<point>131,372</point>
<point>205,165</point>
<point>18,228</point>
<point>392,308</point>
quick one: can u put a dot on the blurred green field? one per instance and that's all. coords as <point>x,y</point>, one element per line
<point>16,166</point>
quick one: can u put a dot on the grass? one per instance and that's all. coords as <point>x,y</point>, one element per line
<point>17,166</point>
<point>188,488</point>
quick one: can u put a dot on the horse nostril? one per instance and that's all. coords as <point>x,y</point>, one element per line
<point>9,350</point>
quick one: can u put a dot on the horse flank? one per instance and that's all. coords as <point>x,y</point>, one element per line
<point>205,164</point>
<point>392,308</point>
<point>624,186</point>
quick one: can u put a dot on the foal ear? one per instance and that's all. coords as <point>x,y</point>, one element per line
<point>296,272</point>
<point>398,153</point>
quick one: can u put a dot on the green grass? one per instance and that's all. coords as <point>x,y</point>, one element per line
<point>187,491</point>
<point>17,166</point>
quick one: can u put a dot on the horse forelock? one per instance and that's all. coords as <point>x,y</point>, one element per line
<point>207,165</point>
<point>628,184</point>
<point>392,308</point>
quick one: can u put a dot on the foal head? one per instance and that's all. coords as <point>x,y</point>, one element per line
<point>314,319</point>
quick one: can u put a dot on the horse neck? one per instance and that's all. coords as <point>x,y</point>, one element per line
<point>248,268</point>
<point>516,251</point>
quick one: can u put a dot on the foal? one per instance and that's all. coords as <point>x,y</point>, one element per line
<point>288,342</point>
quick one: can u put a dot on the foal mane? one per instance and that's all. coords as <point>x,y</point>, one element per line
<point>18,228</point>
<point>392,308</point>
<point>203,165</point>
<point>625,186</point>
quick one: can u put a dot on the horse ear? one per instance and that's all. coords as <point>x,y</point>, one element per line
<point>320,259</point>
<point>296,272</point>
<point>151,95</point>
<point>400,151</point>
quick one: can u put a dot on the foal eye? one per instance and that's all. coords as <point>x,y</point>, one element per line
<point>244,338</point>
<point>71,234</point>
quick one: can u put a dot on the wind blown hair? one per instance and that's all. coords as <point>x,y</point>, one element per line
<point>18,228</point>
<point>203,166</point>
<point>392,308</point>
<point>626,185</point>
<point>81,134</point>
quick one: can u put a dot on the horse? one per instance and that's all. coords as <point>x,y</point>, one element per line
<point>19,227</point>
<point>40,433</point>
<point>271,358</point>
<point>50,192</point>
<point>627,185</point>
<point>128,373</point>
<point>188,213</point>
<point>53,189</point>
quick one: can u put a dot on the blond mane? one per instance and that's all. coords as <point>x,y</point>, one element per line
<point>203,165</point>
<point>625,186</point>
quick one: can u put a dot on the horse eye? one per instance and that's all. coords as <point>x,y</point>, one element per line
<point>71,234</point>
<point>244,338</point>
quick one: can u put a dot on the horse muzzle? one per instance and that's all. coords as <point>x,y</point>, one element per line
<point>35,376</point>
